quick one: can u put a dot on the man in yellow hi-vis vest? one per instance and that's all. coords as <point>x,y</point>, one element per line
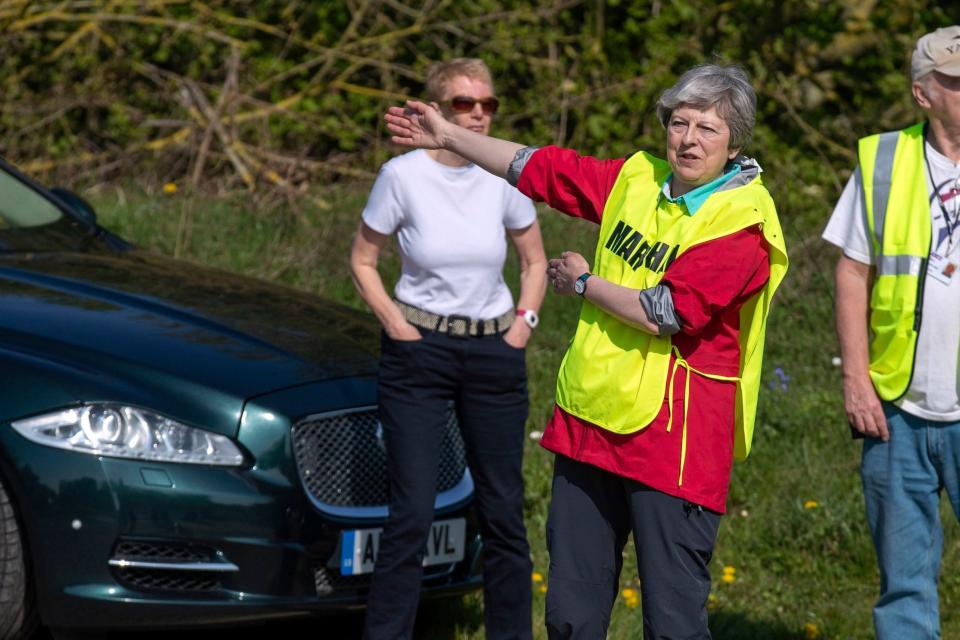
<point>898,320</point>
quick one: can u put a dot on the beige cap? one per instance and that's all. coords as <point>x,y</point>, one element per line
<point>937,51</point>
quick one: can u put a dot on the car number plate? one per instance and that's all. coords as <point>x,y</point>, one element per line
<point>358,547</point>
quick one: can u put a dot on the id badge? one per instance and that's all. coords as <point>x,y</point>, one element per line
<point>942,268</point>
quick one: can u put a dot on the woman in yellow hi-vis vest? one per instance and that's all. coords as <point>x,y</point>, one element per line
<point>657,392</point>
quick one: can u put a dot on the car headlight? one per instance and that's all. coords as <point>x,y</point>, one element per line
<point>107,429</point>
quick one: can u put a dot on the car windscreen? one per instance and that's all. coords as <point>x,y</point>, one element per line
<point>30,221</point>
<point>21,206</point>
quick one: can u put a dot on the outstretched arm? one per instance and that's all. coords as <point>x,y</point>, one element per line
<point>420,126</point>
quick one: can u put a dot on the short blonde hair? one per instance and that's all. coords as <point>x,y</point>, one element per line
<point>440,74</point>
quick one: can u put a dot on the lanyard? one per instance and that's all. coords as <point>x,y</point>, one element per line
<point>951,224</point>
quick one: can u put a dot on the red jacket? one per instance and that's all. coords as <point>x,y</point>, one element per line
<point>709,284</point>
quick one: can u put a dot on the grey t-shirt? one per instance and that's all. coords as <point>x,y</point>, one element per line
<point>450,224</point>
<point>933,392</point>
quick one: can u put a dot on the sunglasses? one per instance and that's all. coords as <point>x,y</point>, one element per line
<point>464,104</point>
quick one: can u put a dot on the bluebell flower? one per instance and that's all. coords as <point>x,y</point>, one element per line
<point>782,380</point>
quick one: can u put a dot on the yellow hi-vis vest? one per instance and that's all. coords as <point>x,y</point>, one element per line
<point>614,375</point>
<point>898,216</point>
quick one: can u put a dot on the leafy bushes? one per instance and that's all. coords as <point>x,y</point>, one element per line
<point>284,93</point>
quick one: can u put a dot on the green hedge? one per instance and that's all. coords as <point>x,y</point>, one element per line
<point>104,87</point>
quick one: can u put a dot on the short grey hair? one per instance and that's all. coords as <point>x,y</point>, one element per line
<point>708,85</point>
<point>926,82</point>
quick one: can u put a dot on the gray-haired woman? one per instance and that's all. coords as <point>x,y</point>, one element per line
<point>657,391</point>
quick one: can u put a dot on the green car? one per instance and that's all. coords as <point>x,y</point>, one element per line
<point>182,446</point>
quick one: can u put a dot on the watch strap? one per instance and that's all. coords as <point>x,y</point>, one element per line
<point>529,316</point>
<point>582,289</point>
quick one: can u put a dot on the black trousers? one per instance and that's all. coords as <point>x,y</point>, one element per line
<point>591,514</point>
<point>486,379</point>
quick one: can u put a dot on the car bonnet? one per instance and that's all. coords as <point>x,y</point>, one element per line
<point>135,314</point>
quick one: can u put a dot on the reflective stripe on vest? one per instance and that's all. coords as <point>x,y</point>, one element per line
<point>898,216</point>
<point>899,265</point>
<point>882,175</point>
<point>614,375</point>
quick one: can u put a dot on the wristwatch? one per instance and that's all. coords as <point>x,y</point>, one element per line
<point>580,286</point>
<point>529,316</point>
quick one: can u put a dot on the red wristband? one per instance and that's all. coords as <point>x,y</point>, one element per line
<point>529,316</point>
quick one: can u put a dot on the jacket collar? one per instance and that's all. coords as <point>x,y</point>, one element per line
<point>739,172</point>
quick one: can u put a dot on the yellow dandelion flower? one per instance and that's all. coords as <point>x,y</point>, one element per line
<point>728,578</point>
<point>543,588</point>
<point>729,570</point>
<point>811,630</point>
<point>631,597</point>
<point>537,576</point>
<point>170,188</point>
<point>811,504</point>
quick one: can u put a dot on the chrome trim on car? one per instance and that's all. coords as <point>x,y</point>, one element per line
<point>452,497</point>
<point>219,567</point>
<point>449,498</point>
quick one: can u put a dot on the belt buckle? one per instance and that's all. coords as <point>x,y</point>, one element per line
<point>466,326</point>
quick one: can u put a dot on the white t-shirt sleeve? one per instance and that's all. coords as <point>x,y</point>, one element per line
<point>518,210</point>
<point>847,227</point>
<point>384,210</point>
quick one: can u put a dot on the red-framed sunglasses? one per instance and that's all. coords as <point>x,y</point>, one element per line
<point>464,104</point>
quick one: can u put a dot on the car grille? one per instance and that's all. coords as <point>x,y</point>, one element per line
<point>178,577</point>
<point>162,580</point>
<point>328,580</point>
<point>162,551</point>
<point>342,461</point>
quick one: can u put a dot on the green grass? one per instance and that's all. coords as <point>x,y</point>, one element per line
<point>795,565</point>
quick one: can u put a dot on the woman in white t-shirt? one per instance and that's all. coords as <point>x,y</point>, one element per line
<point>451,334</point>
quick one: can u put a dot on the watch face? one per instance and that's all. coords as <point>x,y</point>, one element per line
<point>530,317</point>
<point>579,286</point>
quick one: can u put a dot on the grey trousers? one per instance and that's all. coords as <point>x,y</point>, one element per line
<point>591,514</point>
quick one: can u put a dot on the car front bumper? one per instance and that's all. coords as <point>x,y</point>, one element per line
<point>229,544</point>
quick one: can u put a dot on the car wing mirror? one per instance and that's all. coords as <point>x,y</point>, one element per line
<point>78,205</point>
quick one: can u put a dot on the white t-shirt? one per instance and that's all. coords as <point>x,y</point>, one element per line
<point>450,225</point>
<point>933,392</point>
